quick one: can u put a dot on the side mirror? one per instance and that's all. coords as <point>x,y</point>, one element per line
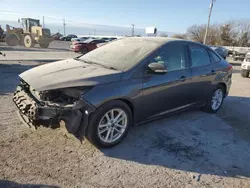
<point>157,68</point>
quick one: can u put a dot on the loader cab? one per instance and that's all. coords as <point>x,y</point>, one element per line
<point>28,23</point>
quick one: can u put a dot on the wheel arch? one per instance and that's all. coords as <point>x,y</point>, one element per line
<point>224,86</point>
<point>127,101</point>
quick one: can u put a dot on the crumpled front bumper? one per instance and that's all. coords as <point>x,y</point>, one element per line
<point>34,113</point>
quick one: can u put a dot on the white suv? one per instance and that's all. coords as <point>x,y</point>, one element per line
<point>245,66</point>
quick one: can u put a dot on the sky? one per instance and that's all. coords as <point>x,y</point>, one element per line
<point>167,15</point>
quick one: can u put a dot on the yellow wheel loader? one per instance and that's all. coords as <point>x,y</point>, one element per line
<point>30,34</point>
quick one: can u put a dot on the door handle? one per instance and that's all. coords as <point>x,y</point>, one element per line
<point>183,78</point>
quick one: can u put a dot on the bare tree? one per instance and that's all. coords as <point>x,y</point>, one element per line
<point>196,32</point>
<point>231,33</point>
<point>243,32</point>
<point>180,36</point>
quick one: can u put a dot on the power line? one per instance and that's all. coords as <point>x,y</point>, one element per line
<point>43,22</point>
<point>133,30</point>
<point>208,22</point>
<point>64,24</point>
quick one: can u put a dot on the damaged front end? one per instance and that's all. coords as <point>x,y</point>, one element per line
<point>49,108</point>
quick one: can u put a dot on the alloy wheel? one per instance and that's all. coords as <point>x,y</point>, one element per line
<point>217,99</point>
<point>112,125</point>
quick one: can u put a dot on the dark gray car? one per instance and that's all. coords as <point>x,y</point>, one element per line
<point>126,82</point>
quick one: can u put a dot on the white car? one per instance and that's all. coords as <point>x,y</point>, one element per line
<point>245,66</point>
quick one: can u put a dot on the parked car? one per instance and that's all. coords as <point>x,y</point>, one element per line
<point>56,36</point>
<point>103,93</point>
<point>75,40</point>
<point>239,54</point>
<point>223,52</point>
<point>108,39</point>
<point>86,46</point>
<point>245,66</point>
<point>68,37</point>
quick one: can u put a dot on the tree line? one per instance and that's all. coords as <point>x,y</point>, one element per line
<point>231,33</point>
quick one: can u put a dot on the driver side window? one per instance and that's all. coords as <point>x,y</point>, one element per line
<point>173,55</point>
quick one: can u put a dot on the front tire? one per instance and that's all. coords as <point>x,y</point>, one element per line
<point>28,41</point>
<point>244,73</point>
<point>215,101</point>
<point>109,124</point>
<point>84,50</point>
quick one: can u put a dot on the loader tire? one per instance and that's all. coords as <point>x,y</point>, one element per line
<point>28,42</point>
<point>11,40</point>
<point>44,45</point>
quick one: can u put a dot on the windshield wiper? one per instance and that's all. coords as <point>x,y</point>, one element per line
<point>94,63</point>
<point>83,60</point>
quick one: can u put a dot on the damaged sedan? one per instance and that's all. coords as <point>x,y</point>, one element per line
<point>101,94</point>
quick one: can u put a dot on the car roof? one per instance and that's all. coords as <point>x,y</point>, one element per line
<point>160,40</point>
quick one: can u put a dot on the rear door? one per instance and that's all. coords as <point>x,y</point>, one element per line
<point>203,71</point>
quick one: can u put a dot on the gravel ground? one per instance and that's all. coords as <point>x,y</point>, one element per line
<point>191,149</point>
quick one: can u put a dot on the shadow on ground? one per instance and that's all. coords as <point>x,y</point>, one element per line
<point>194,141</point>
<point>11,184</point>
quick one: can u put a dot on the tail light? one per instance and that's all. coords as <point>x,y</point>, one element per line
<point>230,67</point>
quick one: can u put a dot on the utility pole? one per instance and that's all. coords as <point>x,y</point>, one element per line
<point>208,22</point>
<point>64,24</point>
<point>43,22</point>
<point>133,30</point>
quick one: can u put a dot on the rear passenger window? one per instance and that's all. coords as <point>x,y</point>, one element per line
<point>199,56</point>
<point>214,56</point>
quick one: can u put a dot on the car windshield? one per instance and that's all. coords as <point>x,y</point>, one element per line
<point>88,40</point>
<point>121,54</point>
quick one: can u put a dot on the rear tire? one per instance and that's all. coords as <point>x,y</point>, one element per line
<point>28,41</point>
<point>84,50</point>
<point>100,125</point>
<point>44,45</point>
<point>215,101</point>
<point>244,73</point>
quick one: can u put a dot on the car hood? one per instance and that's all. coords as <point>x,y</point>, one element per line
<point>68,73</point>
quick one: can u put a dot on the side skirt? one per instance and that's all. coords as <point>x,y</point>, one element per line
<point>172,112</point>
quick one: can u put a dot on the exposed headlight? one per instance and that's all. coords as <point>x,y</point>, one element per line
<point>76,92</point>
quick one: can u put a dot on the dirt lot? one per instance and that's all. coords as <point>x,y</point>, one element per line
<point>191,149</point>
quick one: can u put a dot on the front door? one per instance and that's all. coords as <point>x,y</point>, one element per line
<point>163,93</point>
